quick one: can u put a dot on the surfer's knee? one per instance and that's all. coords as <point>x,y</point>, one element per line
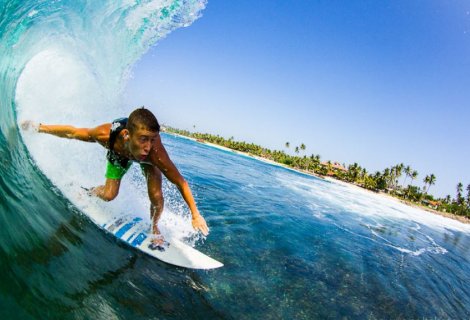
<point>109,195</point>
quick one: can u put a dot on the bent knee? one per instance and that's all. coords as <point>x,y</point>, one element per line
<point>109,196</point>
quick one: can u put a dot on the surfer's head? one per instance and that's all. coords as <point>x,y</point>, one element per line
<point>142,132</point>
<point>142,118</point>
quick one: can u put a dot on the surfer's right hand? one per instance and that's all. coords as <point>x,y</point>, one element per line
<point>29,125</point>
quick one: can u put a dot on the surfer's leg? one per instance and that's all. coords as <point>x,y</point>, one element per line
<point>154,185</point>
<point>110,190</point>
<point>107,192</point>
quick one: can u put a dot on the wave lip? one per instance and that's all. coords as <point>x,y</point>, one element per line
<point>107,37</point>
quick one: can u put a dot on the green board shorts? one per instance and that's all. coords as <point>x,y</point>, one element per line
<point>116,172</point>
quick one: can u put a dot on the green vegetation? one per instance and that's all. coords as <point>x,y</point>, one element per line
<point>386,181</point>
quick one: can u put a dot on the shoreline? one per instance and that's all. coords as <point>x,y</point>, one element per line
<point>461,219</point>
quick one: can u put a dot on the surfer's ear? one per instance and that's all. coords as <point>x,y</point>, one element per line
<point>125,133</point>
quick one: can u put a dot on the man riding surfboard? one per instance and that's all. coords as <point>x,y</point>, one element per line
<point>133,139</point>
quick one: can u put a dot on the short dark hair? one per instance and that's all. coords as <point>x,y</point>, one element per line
<point>142,117</point>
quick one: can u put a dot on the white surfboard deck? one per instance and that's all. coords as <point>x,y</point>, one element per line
<point>135,232</point>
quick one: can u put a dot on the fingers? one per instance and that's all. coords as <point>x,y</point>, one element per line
<point>25,125</point>
<point>204,229</point>
<point>201,225</point>
<point>29,125</point>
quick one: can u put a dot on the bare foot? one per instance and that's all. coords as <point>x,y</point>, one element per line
<point>157,239</point>
<point>158,243</point>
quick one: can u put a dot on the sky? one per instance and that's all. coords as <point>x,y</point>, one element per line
<point>373,82</point>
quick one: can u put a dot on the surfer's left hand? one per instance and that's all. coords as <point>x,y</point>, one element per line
<point>200,224</point>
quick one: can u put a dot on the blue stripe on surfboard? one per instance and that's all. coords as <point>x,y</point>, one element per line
<point>115,224</point>
<point>136,232</point>
<point>131,236</point>
<point>138,240</point>
<point>126,227</point>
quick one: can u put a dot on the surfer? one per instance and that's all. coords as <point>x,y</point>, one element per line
<point>133,139</point>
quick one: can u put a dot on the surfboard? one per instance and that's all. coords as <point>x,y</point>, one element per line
<point>135,232</point>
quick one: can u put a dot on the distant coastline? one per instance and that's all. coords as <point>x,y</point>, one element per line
<point>338,173</point>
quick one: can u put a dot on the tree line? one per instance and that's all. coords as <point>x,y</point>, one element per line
<point>391,180</point>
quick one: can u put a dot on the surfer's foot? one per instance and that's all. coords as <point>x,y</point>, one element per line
<point>158,243</point>
<point>158,239</point>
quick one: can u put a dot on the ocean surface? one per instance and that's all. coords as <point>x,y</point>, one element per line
<point>293,246</point>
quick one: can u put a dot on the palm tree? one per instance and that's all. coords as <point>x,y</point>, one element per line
<point>302,147</point>
<point>296,149</point>
<point>459,198</point>
<point>429,180</point>
<point>354,171</point>
<point>468,195</point>
<point>432,180</point>
<point>398,173</point>
<point>386,176</point>
<point>329,165</point>
<point>413,176</point>
<point>407,173</point>
<point>447,199</point>
<point>287,145</point>
<point>363,175</point>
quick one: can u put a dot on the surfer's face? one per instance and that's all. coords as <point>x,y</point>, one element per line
<point>141,142</point>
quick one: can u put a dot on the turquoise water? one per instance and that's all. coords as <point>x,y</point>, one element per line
<point>293,246</point>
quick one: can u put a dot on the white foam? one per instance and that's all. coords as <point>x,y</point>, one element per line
<point>32,13</point>
<point>55,86</point>
<point>326,195</point>
<point>146,18</point>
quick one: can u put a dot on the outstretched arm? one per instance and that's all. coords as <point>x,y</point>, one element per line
<point>167,167</point>
<point>97,134</point>
<point>69,132</point>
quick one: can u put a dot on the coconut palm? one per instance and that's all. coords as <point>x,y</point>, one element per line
<point>287,145</point>
<point>386,177</point>
<point>413,176</point>
<point>468,195</point>
<point>329,165</point>
<point>407,170</point>
<point>459,197</point>
<point>429,180</point>
<point>398,169</point>
<point>432,180</point>
<point>448,199</point>
<point>354,171</point>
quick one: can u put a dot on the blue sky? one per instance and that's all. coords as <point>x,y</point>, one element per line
<point>373,82</point>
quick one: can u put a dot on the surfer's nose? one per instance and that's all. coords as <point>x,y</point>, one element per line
<point>147,148</point>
